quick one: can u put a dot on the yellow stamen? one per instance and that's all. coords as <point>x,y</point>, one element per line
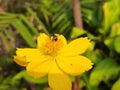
<point>52,47</point>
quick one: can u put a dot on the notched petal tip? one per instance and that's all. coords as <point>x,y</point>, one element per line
<point>74,65</point>
<point>20,60</point>
<point>77,46</point>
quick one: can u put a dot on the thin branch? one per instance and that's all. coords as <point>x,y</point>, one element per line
<point>3,5</point>
<point>78,23</point>
<point>77,14</point>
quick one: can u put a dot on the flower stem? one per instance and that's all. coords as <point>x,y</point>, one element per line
<point>77,14</point>
<point>76,84</point>
<point>79,24</point>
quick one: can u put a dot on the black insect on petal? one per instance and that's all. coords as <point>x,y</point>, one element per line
<point>54,37</point>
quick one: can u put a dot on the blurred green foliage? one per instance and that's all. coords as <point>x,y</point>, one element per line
<point>23,20</point>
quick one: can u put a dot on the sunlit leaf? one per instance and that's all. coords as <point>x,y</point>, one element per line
<point>113,39</point>
<point>116,85</point>
<point>77,32</point>
<point>117,39</point>
<point>117,44</point>
<point>111,9</point>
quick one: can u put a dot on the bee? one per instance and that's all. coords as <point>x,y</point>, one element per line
<point>54,37</point>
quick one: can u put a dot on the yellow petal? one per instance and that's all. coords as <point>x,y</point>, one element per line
<point>40,68</point>
<point>30,54</point>
<point>58,80</point>
<point>21,60</point>
<point>75,47</point>
<point>41,40</point>
<point>74,65</point>
<point>62,39</point>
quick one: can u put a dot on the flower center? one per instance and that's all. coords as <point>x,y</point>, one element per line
<point>53,45</point>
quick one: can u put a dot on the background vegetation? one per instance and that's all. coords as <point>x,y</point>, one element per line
<point>21,21</point>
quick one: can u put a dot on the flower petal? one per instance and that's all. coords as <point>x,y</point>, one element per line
<point>39,68</point>
<point>30,54</point>
<point>21,60</point>
<point>74,65</point>
<point>62,39</point>
<point>41,40</point>
<point>58,80</point>
<point>75,47</point>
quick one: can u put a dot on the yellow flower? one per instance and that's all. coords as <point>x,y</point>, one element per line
<point>55,58</point>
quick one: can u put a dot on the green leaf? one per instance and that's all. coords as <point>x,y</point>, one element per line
<point>9,34</point>
<point>113,40</point>
<point>116,85</point>
<point>7,16</point>
<point>38,20</point>
<point>16,78</point>
<point>76,32</point>
<point>32,28</point>
<point>24,32</point>
<point>105,68</point>
<point>109,11</point>
<point>117,39</point>
<point>33,80</point>
<point>96,56</point>
<point>64,27</point>
<point>23,74</point>
<point>5,42</point>
<point>110,43</point>
<point>117,44</point>
<point>115,29</point>
<point>58,20</point>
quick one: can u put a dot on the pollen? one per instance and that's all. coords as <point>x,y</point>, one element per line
<point>52,47</point>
